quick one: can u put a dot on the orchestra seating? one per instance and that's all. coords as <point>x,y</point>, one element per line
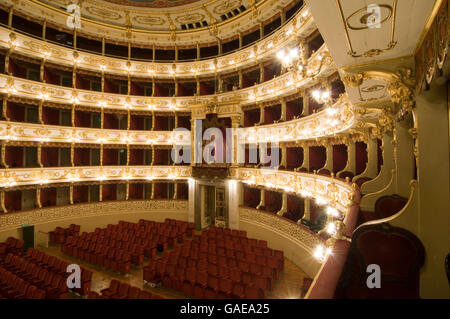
<point>12,245</point>
<point>118,246</point>
<point>59,235</point>
<point>46,273</point>
<point>219,263</point>
<point>121,290</point>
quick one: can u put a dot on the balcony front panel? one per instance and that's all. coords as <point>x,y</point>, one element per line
<point>302,25</point>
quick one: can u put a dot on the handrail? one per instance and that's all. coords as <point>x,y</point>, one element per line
<point>413,187</point>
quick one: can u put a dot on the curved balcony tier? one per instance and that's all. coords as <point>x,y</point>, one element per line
<point>301,25</point>
<point>336,193</point>
<point>28,132</point>
<point>320,65</point>
<point>141,26</point>
<point>331,121</point>
<point>55,175</point>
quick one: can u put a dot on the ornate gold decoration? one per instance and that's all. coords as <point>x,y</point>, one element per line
<point>400,86</point>
<point>52,214</point>
<point>372,52</point>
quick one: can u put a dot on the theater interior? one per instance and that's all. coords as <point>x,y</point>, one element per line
<point>224,149</point>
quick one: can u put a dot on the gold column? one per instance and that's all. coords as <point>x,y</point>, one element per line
<point>5,108</point>
<point>197,81</point>
<point>103,81</point>
<point>219,44</point>
<point>153,86</point>
<point>153,156</point>
<point>240,79</point>
<point>41,102</point>
<point>128,154</point>
<point>38,197</point>
<point>103,46</point>
<point>39,155</point>
<point>127,191</point>
<point>283,17</point>
<point>73,115</point>
<point>262,201</point>
<point>305,100</point>
<point>198,51</point>
<point>261,73</point>
<point>10,16</point>
<point>44,29</point>
<point>100,193</point>
<point>176,87</point>
<point>71,194</point>
<point>4,154</point>
<point>101,154</point>
<point>176,121</point>
<point>2,201</point>
<point>235,123</point>
<point>153,121</point>
<point>128,119</point>
<point>41,71</point>
<point>152,195</point>
<point>176,53</point>
<point>283,109</point>
<point>283,209</point>
<point>240,39</point>
<point>175,191</point>
<point>72,154</point>
<point>102,117</point>
<point>75,38</point>
<point>261,31</point>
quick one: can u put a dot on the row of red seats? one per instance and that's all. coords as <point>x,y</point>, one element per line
<point>240,271</point>
<point>240,252</point>
<point>226,231</point>
<point>14,287</point>
<point>53,284</point>
<point>121,290</point>
<point>59,266</point>
<point>12,245</point>
<point>136,246</point>
<point>101,255</point>
<point>59,235</point>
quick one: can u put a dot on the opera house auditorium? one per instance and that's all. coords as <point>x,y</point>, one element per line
<point>224,149</point>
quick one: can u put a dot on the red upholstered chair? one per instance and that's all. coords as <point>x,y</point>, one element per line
<point>113,288</point>
<point>252,292</point>
<point>236,275</point>
<point>93,295</point>
<point>238,291</point>
<point>199,292</point>
<point>145,295</point>
<point>201,279</point>
<point>188,288</point>
<point>122,291</point>
<point>210,294</point>
<point>133,293</point>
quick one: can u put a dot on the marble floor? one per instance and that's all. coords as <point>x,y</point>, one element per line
<point>288,285</point>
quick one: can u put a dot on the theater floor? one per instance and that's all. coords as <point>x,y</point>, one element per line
<point>288,285</point>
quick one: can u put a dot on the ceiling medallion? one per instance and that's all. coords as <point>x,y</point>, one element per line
<point>386,13</point>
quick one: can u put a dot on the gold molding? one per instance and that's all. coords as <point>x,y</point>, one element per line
<point>372,52</point>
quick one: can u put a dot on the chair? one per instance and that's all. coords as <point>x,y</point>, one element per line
<point>133,293</point>
<point>113,288</point>
<point>238,291</point>
<point>252,292</point>
<point>122,291</point>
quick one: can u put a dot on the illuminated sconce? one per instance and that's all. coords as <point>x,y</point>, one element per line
<point>12,40</point>
<point>331,228</point>
<point>322,96</point>
<point>321,201</point>
<point>321,253</point>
